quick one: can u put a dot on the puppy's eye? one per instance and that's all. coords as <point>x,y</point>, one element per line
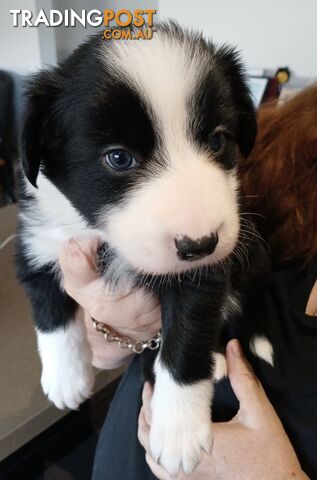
<point>120,159</point>
<point>217,141</point>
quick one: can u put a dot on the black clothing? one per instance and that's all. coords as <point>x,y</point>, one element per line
<point>291,385</point>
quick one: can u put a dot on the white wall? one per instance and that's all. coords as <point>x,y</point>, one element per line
<point>270,33</point>
<point>19,47</point>
<point>47,36</point>
<point>67,39</point>
<point>25,50</point>
<point>19,51</point>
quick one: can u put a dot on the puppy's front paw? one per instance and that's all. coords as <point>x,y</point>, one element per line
<point>181,422</point>
<point>178,439</point>
<point>67,386</point>
<point>67,374</point>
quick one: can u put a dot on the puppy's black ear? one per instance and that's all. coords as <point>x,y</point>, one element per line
<point>39,129</point>
<point>230,64</point>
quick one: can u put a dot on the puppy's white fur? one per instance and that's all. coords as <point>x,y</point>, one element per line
<point>221,370</point>
<point>67,373</point>
<point>162,65</point>
<point>180,425</point>
<point>262,348</point>
<point>49,223</point>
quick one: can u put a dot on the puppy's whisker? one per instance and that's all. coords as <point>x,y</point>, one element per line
<point>252,214</point>
<point>248,196</point>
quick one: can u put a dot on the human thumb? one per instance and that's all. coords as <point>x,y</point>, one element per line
<point>76,259</point>
<point>245,384</point>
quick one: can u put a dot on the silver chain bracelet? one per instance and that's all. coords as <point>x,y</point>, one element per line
<point>125,342</point>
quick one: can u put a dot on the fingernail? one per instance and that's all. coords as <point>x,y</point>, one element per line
<point>235,348</point>
<point>148,416</point>
<point>147,386</point>
<point>148,389</point>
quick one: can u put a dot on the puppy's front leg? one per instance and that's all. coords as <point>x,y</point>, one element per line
<point>181,404</point>
<point>181,421</point>
<point>67,374</point>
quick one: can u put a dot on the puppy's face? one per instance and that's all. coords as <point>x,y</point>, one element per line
<point>144,138</point>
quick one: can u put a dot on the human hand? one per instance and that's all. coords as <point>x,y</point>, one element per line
<point>252,446</point>
<point>134,313</point>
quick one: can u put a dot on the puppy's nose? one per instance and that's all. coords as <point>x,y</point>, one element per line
<point>189,249</point>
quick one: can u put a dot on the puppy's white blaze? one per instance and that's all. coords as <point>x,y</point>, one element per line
<point>166,72</point>
<point>262,348</point>
<point>52,222</point>
<point>220,366</point>
<point>181,421</point>
<point>231,306</point>
<point>67,374</point>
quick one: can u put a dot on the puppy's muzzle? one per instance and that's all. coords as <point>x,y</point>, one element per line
<point>190,250</point>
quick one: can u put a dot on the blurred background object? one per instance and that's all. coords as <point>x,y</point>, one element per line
<point>8,144</point>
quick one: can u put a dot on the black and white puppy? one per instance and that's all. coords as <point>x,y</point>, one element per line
<point>138,142</point>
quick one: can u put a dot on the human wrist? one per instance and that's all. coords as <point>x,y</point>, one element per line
<point>296,475</point>
<point>290,474</point>
<point>302,476</point>
<point>112,357</point>
<point>136,343</point>
<point>287,464</point>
